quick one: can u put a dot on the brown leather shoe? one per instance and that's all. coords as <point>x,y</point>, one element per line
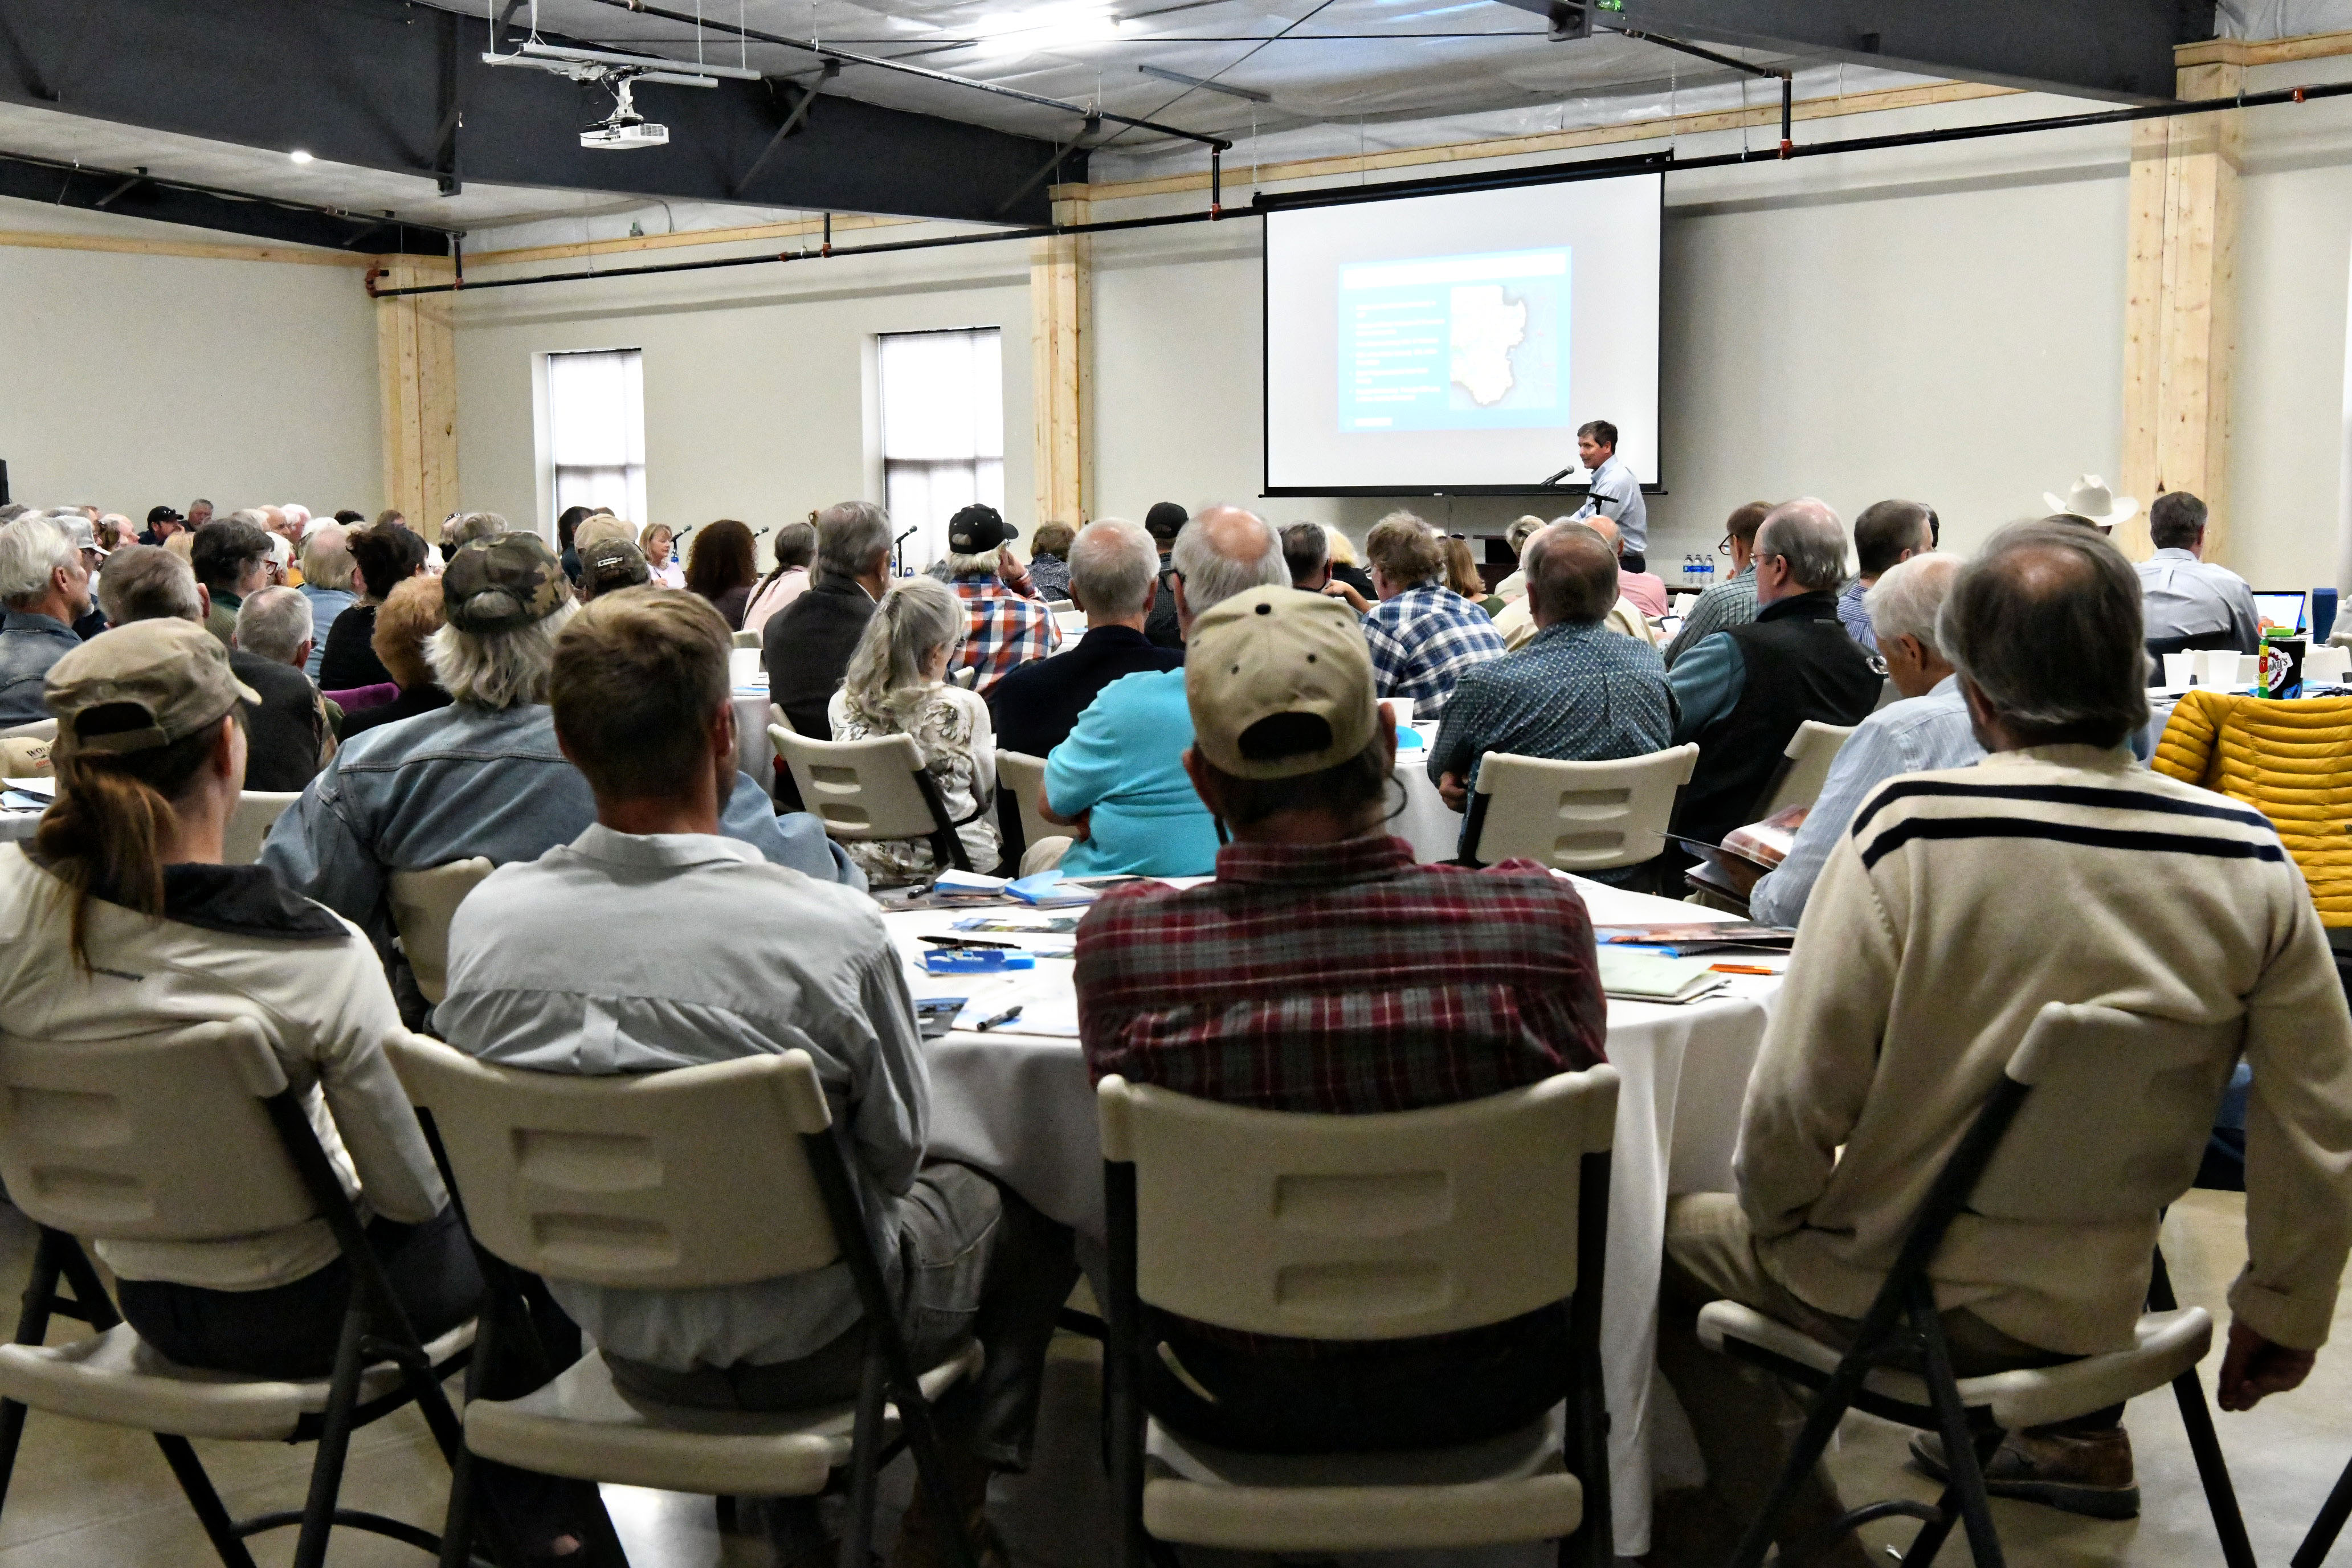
<point>2088,1473</point>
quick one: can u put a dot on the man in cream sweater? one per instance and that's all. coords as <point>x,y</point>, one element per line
<point>1956,904</point>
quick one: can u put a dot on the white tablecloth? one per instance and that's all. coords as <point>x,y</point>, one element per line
<point>1019,1107</point>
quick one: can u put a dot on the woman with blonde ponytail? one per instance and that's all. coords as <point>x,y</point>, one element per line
<point>897,686</point>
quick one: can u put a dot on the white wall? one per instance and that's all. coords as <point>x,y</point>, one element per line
<point>134,380</point>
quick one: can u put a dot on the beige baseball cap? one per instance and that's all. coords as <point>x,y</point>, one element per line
<point>1271,652</point>
<point>173,670</point>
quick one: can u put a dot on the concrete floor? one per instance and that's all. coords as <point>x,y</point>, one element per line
<point>87,1496</point>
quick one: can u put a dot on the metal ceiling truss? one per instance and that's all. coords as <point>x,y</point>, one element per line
<point>134,192</point>
<point>401,87</point>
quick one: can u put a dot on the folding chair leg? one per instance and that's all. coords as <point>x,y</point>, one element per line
<point>1961,1445</point>
<point>219,1527</point>
<point>457,1524</point>
<point>1921,1552</point>
<point>334,1438</point>
<point>864,1457</point>
<point>32,1328</point>
<point>2197,1417</point>
<point>1820,1426</point>
<point>2328,1525</point>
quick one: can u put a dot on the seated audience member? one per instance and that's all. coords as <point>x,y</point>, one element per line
<point>1887,533</point>
<point>897,685</point>
<point>1118,779</point>
<point>806,645</point>
<point>391,518</point>
<point>1114,578</point>
<point>1307,551</point>
<point>1422,633</point>
<point>1515,622</point>
<point>1345,568</point>
<point>1164,521</point>
<point>45,587</point>
<point>327,583</point>
<point>538,971</point>
<point>795,549</point>
<point>1049,560</point>
<point>567,542</point>
<point>381,559</point>
<point>1577,692</point>
<point>83,535</point>
<point>405,623</point>
<point>1645,591</point>
<point>484,775</point>
<point>608,564</point>
<point>2184,596</point>
<point>659,541</point>
<point>466,526</point>
<point>722,565</point>
<point>1731,603</point>
<point>1008,622</point>
<point>1928,730</point>
<point>184,545</point>
<point>1324,970</point>
<point>231,558</point>
<point>1742,693</point>
<point>1462,575</point>
<point>290,732</point>
<point>600,524</point>
<point>1958,904</point>
<point>161,523</point>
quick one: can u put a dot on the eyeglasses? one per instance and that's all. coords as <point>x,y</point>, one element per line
<point>1724,548</point>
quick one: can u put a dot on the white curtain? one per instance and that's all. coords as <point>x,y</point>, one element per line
<point>942,430</point>
<point>597,430</point>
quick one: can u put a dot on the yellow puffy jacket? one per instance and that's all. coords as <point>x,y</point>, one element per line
<point>2290,761</point>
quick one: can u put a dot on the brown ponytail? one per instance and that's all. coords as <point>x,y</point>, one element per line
<point>103,836</point>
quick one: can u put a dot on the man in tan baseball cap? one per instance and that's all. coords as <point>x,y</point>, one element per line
<point>141,687</point>
<point>1324,971</point>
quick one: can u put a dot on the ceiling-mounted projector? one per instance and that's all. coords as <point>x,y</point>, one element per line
<point>624,127</point>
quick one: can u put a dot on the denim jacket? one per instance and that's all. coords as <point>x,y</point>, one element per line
<point>29,645</point>
<point>465,781</point>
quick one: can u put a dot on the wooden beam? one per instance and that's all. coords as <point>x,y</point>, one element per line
<point>2181,306</point>
<point>841,223</point>
<point>1061,309</point>
<point>416,369</point>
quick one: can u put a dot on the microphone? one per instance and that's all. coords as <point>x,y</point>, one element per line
<point>1562,475</point>
<point>909,533</point>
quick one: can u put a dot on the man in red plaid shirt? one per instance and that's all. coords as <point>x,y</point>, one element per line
<point>1324,970</point>
<point>1009,623</point>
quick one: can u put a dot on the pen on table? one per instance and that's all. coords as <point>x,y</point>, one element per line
<point>1741,968</point>
<point>1005,1017</point>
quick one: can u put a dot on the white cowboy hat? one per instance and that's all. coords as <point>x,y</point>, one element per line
<point>2091,499</point>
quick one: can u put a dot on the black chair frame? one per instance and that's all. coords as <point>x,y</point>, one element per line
<point>1903,1328</point>
<point>375,1329</point>
<point>888,1374</point>
<point>1585,1449</point>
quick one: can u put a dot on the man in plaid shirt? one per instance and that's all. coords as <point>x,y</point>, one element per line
<point>1323,970</point>
<point>1009,623</point>
<point>1422,633</point>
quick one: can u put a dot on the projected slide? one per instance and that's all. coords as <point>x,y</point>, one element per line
<point>1455,342</point>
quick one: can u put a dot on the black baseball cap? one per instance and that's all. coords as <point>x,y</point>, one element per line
<point>1166,520</point>
<point>156,514</point>
<point>977,529</point>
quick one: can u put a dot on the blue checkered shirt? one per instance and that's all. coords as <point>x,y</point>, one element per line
<point>1421,642</point>
<point>1721,607</point>
<point>1574,694</point>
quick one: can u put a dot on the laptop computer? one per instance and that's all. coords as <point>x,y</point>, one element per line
<point>2281,607</point>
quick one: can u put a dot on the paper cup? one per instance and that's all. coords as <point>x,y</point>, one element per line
<point>2179,669</point>
<point>1399,709</point>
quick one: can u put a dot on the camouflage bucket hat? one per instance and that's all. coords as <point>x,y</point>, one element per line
<point>503,584</point>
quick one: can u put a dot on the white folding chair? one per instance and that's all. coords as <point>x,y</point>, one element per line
<point>248,824</point>
<point>1024,776</point>
<point>1574,817</point>
<point>38,730</point>
<point>422,904</point>
<point>869,789</point>
<point>696,1178</point>
<point>1359,1228</point>
<point>193,1134</point>
<point>1061,606</point>
<point>1804,766</point>
<point>747,639</point>
<point>2039,1151</point>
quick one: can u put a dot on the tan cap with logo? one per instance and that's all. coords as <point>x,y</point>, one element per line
<point>173,670</point>
<point>1275,651</point>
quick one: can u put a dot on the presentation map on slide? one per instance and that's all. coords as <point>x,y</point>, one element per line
<point>1455,342</point>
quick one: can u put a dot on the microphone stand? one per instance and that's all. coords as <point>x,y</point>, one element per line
<point>898,555</point>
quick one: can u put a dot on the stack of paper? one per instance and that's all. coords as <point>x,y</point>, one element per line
<point>1638,977</point>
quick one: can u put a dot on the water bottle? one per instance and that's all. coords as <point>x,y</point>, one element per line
<point>1690,573</point>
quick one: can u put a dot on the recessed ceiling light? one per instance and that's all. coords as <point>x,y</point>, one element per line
<point>298,156</point>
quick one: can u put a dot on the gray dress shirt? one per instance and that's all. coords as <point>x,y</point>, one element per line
<point>2182,596</point>
<point>1616,495</point>
<point>626,952</point>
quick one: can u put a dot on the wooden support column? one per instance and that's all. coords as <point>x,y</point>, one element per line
<point>2181,311</point>
<point>1061,313</point>
<point>416,370</point>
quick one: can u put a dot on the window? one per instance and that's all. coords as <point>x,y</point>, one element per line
<point>597,430</point>
<point>943,429</point>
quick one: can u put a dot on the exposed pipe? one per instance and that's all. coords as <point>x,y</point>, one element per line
<point>1538,174</point>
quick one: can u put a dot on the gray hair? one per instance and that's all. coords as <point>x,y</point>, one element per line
<point>849,535</point>
<point>1571,573</point>
<point>31,548</point>
<point>496,669</point>
<point>148,583</point>
<point>980,566</point>
<point>253,515</point>
<point>471,525</point>
<point>1113,562</point>
<point>1211,578</point>
<point>1908,597</point>
<point>326,559</point>
<point>885,684</point>
<point>2046,624</point>
<point>1808,535</point>
<point>275,623</point>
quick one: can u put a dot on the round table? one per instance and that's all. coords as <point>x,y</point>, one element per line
<point>1017,1102</point>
